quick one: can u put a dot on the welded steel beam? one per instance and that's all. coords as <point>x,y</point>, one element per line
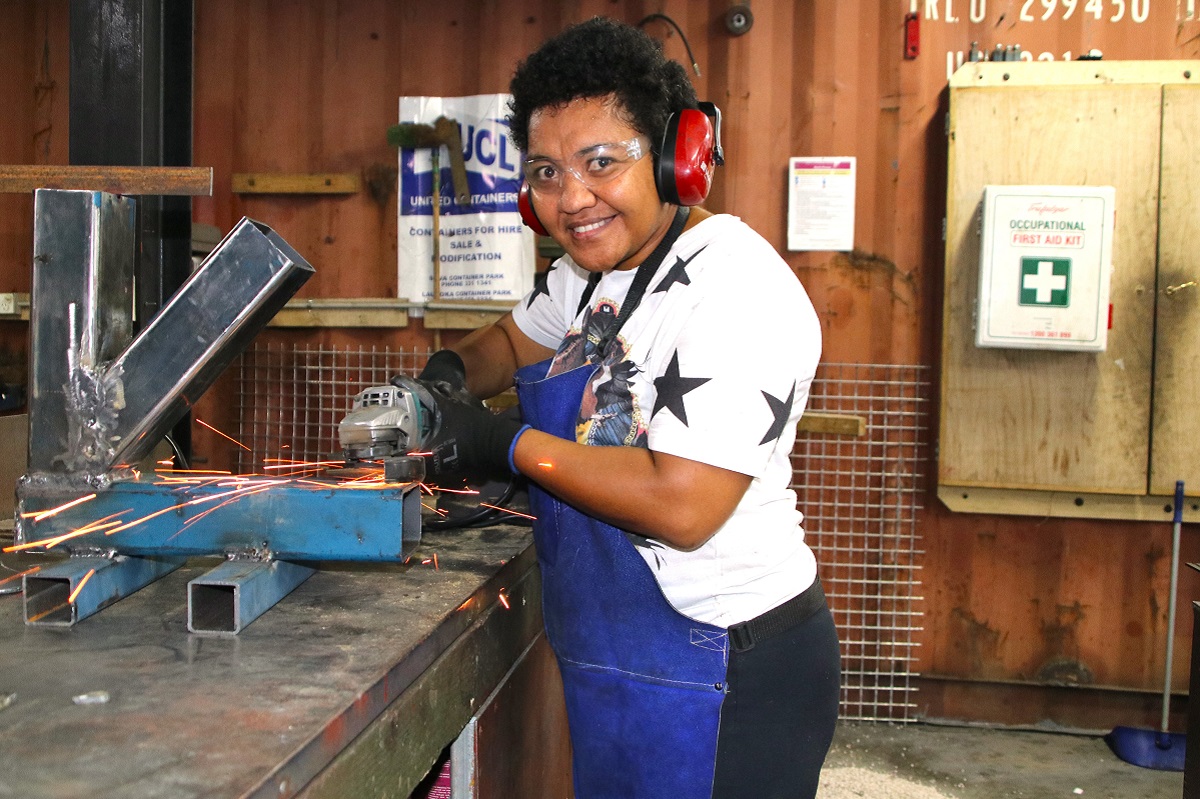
<point>250,275</point>
<point>81,316</point>
<point>302,520</point>
<point>62,594</point>
<point>100,401</point>
<point>228,598</point>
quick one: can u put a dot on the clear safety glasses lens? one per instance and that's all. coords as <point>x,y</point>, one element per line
<point>592,167</point>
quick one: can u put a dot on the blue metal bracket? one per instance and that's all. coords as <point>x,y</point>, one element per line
<point>237,592</point>
<point>62,594</point>
<point>263,518</point>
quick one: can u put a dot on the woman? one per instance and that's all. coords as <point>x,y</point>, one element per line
<point>661,369</point>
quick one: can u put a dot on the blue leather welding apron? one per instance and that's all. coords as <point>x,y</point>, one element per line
<point>643,683</point>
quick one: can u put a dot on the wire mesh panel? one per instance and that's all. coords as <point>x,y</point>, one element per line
<point>291,398</point>
<point>860,496</point>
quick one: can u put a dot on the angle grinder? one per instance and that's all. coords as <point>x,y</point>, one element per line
<point>386,425</point>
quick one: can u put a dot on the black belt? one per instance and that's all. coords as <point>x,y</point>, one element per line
<point>743,636</point>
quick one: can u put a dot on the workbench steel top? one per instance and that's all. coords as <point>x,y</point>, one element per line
<point>191,715</point>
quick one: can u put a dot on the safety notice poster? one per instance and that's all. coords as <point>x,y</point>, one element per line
<point>484,253</point>
<point>821,203</point>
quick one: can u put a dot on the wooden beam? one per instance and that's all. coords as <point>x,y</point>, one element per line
<point>296,183</point>
<point>1064,504</point>
<point>191,181</point>
<point>464,314</point>
<point>836,423</point>
<point>342,313</point>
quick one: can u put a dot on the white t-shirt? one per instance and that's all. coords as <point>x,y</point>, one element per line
<point>714,365</point>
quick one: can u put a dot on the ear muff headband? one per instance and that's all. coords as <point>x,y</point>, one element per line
<point>690,152</point>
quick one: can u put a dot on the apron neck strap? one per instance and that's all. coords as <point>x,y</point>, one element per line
<point>641,281</point>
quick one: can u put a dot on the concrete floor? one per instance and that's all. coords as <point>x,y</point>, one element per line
<point>928,761</point>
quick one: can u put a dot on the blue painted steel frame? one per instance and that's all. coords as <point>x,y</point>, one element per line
<point>237,592</point>
<point>96,582</point>
<point>308,520</point>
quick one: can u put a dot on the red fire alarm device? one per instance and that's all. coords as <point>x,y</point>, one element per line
<point>912,35</point>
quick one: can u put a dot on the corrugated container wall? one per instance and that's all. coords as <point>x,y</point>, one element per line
<point>1013,606</point>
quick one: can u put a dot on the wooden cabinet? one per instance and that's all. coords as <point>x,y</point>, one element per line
<point>1069,433</point>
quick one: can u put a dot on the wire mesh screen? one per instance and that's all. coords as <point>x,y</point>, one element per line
<point>860,496</point>
<point>291,398</point>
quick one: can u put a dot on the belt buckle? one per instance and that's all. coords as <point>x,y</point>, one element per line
<point>741,638</point>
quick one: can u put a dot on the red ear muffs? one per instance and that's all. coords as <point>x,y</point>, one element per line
<point>528,215</point>
<point>690,152</point>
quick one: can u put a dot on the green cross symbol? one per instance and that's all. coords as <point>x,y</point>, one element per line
<point>1045,281</point>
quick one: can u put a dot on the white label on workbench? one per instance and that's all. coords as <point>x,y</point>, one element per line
<point>1045,266</point>
<point>821,203</point>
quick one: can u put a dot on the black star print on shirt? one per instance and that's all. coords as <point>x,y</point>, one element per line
<point>678,273</point>
<point>780,409</point>
<point>540,283</point>
<point>671,388</point>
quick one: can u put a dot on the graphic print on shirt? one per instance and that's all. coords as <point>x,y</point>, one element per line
<point>614,418</point>
<point>671,387</point>
<point>541,285</point>
<point>609,413</point>
<point>678,273</point>
<point>780,410</point>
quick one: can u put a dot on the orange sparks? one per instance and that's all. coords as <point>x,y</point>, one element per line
<point>439,511</point>
<point>369,477</point>
<point>207,511</point>
<point>506,510</point>
<point>79,587</point>
<point>242,489</point>
<point>504,600</point>
<point>166,462</point>
<point>203,423</point>
<point>12,577</point>
<point>546,464</point>
<point>279,463</point>
<point>37,516</point>
<point>91,527</point>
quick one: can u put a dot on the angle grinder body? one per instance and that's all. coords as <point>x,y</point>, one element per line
<point>386,425</point>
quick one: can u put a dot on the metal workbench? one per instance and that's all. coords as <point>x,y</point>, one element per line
<point>351,686</point>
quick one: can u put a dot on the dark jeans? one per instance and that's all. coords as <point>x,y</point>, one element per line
<point>779,713</point>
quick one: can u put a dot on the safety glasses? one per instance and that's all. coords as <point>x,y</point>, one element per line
<point>592,166</point>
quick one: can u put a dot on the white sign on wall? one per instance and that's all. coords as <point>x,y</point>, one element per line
<point>485,252</point>
<point>1045,266</point>
<point>821,203</point>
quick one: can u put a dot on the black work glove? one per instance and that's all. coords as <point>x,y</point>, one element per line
<point>470,440</point>
<point>446,374</point>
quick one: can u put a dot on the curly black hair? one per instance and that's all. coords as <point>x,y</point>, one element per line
<point>597,58</point>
